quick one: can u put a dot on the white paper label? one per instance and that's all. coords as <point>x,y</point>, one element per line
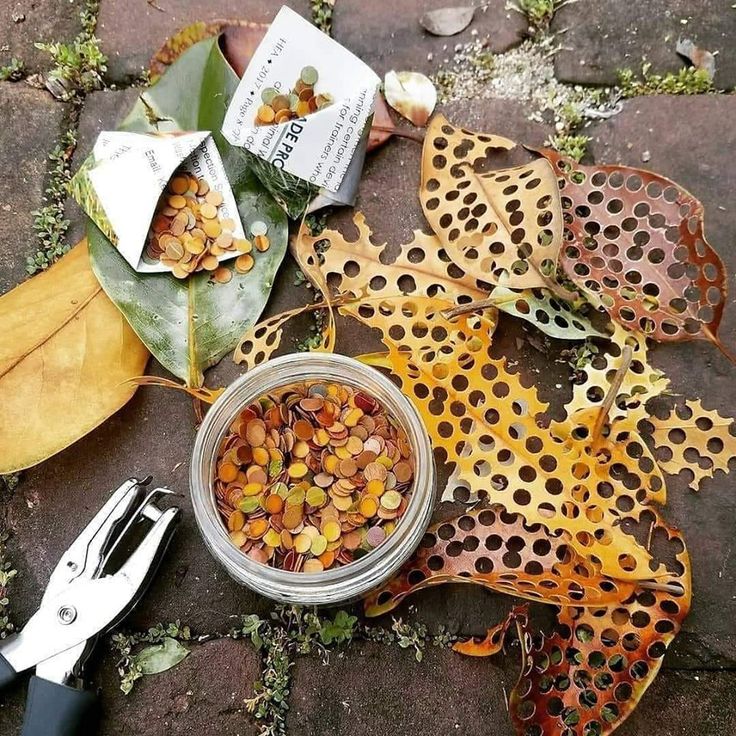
<point>318,147</point>
<point>133,169</point>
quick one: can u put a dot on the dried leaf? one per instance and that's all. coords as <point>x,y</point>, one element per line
<point>504,226</point>
<point>500,551</point>
<point>700,58</point>
<point>693,439</point>
<point>635,243</point>
<point>160,657</point>
<point>363,268</point>
<point>66,355</point>
<point>447,21</point>
<point>411,94</point>
<point>484,419</point>
<point>641,382</point>
<point>589,675</point>
<point>493,641</point>
<point>261,341</point>
<point>382,126</point>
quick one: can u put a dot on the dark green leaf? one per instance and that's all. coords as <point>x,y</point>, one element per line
<point>190,325</point>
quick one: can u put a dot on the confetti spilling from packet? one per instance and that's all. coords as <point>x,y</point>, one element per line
<point>313,476</point>
<point>188,235</point>
<point>301,101</point>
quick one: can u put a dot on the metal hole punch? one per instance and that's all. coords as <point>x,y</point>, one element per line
<point>94,586</point>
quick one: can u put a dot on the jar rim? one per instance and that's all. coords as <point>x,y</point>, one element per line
<point>336,584</point>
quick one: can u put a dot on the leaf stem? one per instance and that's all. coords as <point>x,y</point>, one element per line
<point>410,134</point>
<point>661,587</point>
<point>618,379</point>
<point>471,307</point>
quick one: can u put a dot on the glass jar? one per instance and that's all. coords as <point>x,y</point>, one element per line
<point>339,584</point>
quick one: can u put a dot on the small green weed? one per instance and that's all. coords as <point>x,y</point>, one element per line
<point>322,15</point>
<point>688,81</point>
<point>49,221</point>
<point>7,573</point>
<point>13,71</point>
<point>572,146</point>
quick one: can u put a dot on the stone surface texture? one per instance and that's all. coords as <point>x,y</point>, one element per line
<point>23,23</point>
<point>392,38</point>
<point>131,32</point>
<point>370,688</point>
<point>32,124</point>
<point>598,38</point>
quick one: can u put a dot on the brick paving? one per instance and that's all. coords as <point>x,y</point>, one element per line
<point>371,688</point>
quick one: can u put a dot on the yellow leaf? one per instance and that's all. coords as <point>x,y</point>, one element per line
<point>694,429</point>
<point>66,354</point>
<point>484,418</point>
<point>642,381</point>
<point>503,226</point>
<point>362,268</point>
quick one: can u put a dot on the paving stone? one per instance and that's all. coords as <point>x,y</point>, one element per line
<point>25,22</point>
<point>204,694</point>
<point>688,141</point>
<point>33,122</point>
<point>103,110</point>
<point>599,38</point>
<point>377,689</point>
<point>132,32</point>
<point>679,703</point>
<point>393,39</point>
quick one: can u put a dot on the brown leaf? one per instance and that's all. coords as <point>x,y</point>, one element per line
<point>589,675</point>
<point>382,127</point>
<point>66,354</point>
<point>447,21</point>
<point>504,226</point>
<point>240,39</point>
<point>635,244</point>
<point>500,551</point>
<point>700,58</point>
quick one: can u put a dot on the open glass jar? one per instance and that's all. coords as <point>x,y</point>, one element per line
<point>338,584</point>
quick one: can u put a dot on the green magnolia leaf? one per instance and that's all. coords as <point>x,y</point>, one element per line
<point>160,657</point>
<point>190,325</point>
<point>552,316</point>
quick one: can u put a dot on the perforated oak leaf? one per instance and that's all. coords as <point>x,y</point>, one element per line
<point>500,551</point>
<point>361,267</point>
<point>634,242</point>
<point>693,440</point>
<point>484,419</point>
<point>503,226</point>
<point>589,675</point>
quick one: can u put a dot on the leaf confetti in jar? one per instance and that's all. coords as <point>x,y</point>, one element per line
<point>313,476</point>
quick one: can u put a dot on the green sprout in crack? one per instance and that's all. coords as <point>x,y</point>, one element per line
<point>79,66</point>
<point>688,81</point>
<point>49,221</point>
<point>322,15</point>
<point>539,13</point>
<point>572,146</point>
<point>13,71</point>
<point>7,573</point>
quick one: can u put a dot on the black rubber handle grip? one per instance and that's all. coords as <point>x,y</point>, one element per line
<point>58,710</point>
<point>7,673</point>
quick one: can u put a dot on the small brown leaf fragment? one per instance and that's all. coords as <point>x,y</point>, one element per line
<point>699,58</point>
<point>447,21</point>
